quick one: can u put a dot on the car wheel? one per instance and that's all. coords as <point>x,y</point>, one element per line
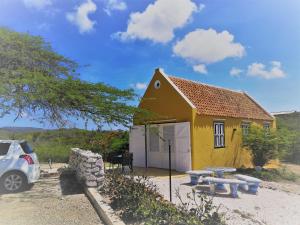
<point>13,182</point>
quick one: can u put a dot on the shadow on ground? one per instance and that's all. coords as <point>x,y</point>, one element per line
<point>69,184</point>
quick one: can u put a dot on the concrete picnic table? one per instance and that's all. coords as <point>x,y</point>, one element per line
<point>219,172</point>
<point>233,183</point>
<point>196,174</point>
<point>252,183</point>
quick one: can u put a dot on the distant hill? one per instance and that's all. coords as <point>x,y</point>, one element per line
<point>22,129</point>
<point>290,120</point>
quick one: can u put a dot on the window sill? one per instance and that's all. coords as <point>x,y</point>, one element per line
<point>220,147</point>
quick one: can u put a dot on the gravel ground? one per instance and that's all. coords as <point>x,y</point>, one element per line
<point>51,201</point>
<point>272,205</point>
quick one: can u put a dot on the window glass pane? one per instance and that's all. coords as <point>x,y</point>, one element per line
<point>219,134</point>
<point>245,128</point>
<point>26,148</point>
<point>4,148</point>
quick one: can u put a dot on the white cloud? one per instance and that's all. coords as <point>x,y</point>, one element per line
<point>208,46</point>
<point>201,7</point>
<point>235,72</point>
<point>140,86</point>
<point>159,20</point>
<point>111,5</point>
<point>81,16</point>
<point>37,4</point>
<point>260,70</point>
<point>200,68</point>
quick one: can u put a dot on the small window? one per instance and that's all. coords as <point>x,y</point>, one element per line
<point>245,128</point>
<point>267,126</point>
<point>4,147</point>
<point>219,135</point>
<point>157,84</point>
<point>26,148</point>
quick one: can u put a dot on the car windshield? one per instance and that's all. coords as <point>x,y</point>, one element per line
<point>26,148</point>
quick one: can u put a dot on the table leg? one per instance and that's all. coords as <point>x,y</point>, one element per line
<point>220,186</point>
<point>212,188</point>
<point>194,179</point>
<point>252,188</point>
<point>233,190</point>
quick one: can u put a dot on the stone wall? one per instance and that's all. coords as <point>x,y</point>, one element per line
<point>88,166</point>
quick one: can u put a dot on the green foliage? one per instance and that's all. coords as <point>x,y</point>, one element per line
<point>281,173</point>
<point>56,144</point>
<point>290,123</point>
<point>44,85</point>
<point>262,143</point>
<point>139,202</point>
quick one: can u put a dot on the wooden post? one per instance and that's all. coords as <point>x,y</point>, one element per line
<point>170,171</point>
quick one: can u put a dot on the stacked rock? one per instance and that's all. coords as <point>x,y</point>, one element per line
<point>88,166</point>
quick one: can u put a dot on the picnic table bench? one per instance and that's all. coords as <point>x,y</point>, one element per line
<point>196,174</point>
<point>219,173</point>
<point>233,183</point>
<point>252,183</point>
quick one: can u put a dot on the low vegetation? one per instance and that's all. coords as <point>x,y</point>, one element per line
<point>279,174</point>
<point>56,144</point>
<point>267,144</point>
<point>138,202</point>
<point>290,125</point>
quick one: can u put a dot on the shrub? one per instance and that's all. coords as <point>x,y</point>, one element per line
<point>262,143</point>
<point>57,153</point>
<point>138,201</point>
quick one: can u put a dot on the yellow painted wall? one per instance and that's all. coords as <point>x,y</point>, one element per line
<point>167,104</point>
<point>232,155</point>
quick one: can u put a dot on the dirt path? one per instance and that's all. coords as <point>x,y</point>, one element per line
<point>269,207</point>
<point>51,201</point>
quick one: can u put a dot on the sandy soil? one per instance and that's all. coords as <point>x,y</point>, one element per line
<point>51,201</point>
<point>275,204</point>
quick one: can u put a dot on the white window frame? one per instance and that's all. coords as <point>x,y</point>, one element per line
<point>267,125</point>
<point>219,134</point>
<point>245,128</point>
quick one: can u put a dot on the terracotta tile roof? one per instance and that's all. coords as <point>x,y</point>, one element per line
<point>210,100</point>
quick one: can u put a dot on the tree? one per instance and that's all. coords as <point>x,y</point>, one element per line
<point>44,85</point>
<point>262,143</point>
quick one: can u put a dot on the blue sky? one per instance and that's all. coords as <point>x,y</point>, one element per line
<point>249,45</point>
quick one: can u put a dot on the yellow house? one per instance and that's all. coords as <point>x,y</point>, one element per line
<point>202,124</point>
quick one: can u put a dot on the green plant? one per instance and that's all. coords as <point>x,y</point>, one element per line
<point>138,201</point>
<point>44,85</point>
<point>290,125</point>
<point>199,205</point>
<point>262,143</point>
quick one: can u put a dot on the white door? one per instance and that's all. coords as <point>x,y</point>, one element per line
<point>168,133</point>
<point>137,145</point>
<point>183,146</point>
<point>154,135</point>
<point>158,137</point>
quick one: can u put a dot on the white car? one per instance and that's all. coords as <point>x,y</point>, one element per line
<point>19,165</point>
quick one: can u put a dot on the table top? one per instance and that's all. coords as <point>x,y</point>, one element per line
<point>224,169</point>
<point>200,172</point>
<point>224,181</point>
<point>247,178</point>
